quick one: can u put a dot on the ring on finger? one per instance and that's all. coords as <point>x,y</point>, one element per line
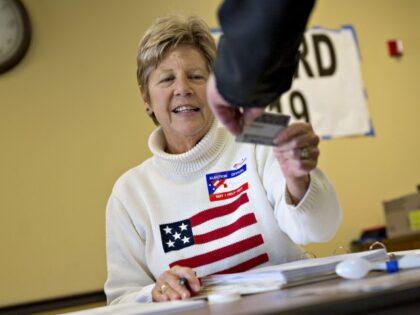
<point>304,153</point>
<point>163,287</point>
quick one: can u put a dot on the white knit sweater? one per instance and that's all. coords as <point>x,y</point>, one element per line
<point>219,207</point>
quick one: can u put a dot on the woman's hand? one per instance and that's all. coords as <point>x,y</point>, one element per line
<point>169,288</point>
<point>297,152</point>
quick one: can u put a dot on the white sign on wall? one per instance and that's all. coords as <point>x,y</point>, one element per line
<point>328,90</point>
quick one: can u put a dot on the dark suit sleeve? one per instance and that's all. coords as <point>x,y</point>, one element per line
<point>257,54</point>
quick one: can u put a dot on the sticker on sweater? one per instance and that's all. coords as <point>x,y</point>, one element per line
<point>227,184</point>
<point>200,241</point>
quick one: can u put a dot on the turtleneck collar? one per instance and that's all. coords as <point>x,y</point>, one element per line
<point>192,161</point>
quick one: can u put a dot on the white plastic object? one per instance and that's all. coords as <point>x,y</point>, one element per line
<point>223,298</point>
<point>354,268</point>
<point>409,261</point>
<point>357,268</point>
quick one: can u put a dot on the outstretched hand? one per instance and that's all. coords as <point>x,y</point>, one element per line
<point>228,115</point>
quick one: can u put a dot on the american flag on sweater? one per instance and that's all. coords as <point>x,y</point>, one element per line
<point>213,235</point>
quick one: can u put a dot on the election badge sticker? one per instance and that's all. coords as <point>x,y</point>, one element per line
<point>227,184</point>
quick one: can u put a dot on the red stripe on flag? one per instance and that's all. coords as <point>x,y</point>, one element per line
<point>243,221</point>
<point>216,212</point>
<point>221,253</point>
<point>246,265</point>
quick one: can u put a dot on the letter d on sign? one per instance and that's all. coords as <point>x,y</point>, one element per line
<point>323,40</point>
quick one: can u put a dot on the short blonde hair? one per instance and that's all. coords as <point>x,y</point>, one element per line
<point>169,32</point>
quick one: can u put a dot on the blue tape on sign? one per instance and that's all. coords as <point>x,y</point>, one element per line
<point>392,266</point>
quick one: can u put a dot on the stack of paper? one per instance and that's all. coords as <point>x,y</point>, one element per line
<point>288,274</point>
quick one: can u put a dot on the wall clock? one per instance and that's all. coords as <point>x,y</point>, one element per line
<point>15,33</point>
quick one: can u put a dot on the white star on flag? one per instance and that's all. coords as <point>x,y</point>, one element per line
<point>168,230</point>
<point>183,227</point>
<point>177,235</point>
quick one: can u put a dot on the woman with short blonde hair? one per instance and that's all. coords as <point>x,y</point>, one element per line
<point>166,33</point>
<point>203,203</point>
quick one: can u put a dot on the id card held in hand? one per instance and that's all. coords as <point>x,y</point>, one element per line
<point>264,129</point>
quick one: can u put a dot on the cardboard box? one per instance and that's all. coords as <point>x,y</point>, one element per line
<point>402,216</point>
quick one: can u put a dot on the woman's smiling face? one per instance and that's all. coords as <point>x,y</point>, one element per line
<point>177,96</point>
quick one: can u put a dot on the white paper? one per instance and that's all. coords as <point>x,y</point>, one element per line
<point>292,273</point>
<point>143,308</point>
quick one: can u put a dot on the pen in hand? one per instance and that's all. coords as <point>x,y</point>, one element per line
<point>184,283</point>
<point>193,290</point>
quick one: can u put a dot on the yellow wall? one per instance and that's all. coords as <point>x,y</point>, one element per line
<point>367,171</point>
<point>71,121</point>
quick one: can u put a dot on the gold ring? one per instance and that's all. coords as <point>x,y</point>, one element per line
<point>163,287</point>
<point>304,153</point>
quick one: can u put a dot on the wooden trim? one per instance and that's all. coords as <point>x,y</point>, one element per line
<point>54,303</point>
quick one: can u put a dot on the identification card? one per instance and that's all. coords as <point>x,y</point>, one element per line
<point>264,129</point>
